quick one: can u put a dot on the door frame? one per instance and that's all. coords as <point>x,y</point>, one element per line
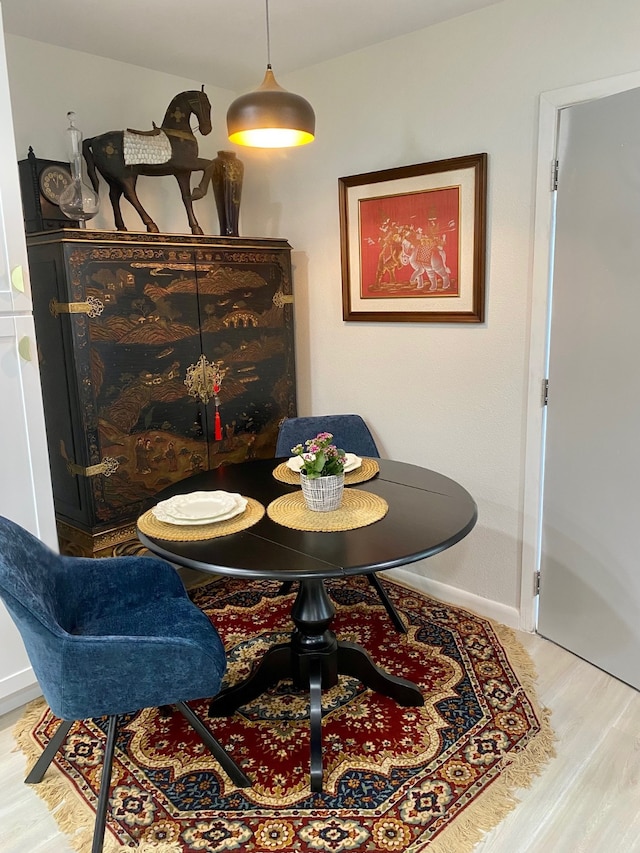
<point>551,103</point>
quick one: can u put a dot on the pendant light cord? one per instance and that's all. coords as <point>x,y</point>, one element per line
<point>268,37</point>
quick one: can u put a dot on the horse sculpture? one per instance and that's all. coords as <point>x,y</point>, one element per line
<point>171,149</point>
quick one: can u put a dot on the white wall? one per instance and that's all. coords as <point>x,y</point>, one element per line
<point>451,397</point>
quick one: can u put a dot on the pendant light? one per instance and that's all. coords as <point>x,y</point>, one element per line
<point>270,116</point>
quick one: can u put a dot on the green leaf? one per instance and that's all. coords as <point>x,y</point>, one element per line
<point>318,465</point>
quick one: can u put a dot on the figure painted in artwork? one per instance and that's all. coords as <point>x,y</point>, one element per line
<point>195,462</point>
<point>141,456</point>
<point>171,456</point>
<point>390,258</point>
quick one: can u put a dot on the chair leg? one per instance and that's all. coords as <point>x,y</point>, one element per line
<point>105,784</point>
<point>40,767</point>
<point>388,604</point>
<point>285,588</point>
<point>222,756</point>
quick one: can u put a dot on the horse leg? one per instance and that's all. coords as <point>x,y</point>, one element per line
<point>128,185</point>
<point>184,182</point>
<point>115,192</point>
<point>201,190</point>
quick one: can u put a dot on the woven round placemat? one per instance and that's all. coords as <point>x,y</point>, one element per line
<point>366,471</point>
<point>358,510</point>
<point>150,525</point>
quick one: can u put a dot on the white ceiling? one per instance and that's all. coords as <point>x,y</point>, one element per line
<point>223,42</point>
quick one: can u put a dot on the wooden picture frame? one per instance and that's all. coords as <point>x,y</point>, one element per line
<point>412,242</point>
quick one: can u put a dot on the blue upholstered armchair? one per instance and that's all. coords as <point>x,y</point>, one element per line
<point>107,637</point>
<point>350,433</point>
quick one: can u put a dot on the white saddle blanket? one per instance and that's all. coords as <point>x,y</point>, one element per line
<point>148,150</point>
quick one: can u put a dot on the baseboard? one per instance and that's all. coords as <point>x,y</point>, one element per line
<point>19,696</point>
<point>459,597</point>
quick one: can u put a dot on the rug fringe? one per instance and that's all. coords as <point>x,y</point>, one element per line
<point>495,803</point>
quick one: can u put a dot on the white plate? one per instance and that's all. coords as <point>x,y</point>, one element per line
<point>200,508</point>
<point>198,505</point>
<point>351,463</point>
<point>295,464</point>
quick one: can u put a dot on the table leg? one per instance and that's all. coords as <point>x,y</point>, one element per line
<point>355,661</point>
<point>275,665</point>
<point>315,723</point>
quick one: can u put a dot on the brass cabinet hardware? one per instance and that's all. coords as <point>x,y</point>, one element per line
<point>107,467</point>
<point>281,299</point>
<point>203,379</point>
<point>92,307</point>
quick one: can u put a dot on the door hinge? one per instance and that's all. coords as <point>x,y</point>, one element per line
<point>107,466</point>
<point>554,176</point>
<point>545,392</point>
<point>536,583</point>
<point>281,299</point>
<point>92,307</point>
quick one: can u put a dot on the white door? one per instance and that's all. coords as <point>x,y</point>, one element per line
<point>590,565</point>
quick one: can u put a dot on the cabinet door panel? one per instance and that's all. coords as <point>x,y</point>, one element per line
<point>247,331</point>
<point>59,388</point>
<point>131,362</point>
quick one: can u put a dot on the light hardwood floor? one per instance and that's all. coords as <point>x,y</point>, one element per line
<point>586,800</point>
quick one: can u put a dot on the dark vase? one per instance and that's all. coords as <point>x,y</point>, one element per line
<point>228,172</point>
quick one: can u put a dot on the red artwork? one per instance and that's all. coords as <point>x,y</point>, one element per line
<point>409,244</point>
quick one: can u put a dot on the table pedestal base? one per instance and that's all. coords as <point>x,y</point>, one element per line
<point>313,659</point>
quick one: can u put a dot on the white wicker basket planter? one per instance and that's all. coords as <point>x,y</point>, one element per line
<point>322,494</point>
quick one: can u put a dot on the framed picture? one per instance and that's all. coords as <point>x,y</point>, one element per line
<point>412,242</point>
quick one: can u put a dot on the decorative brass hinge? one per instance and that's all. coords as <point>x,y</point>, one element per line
<point>92,307</point>
<point>281,299</point>
<point>107,467</point>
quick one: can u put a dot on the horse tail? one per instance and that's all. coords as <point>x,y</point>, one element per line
<point>91,165</point>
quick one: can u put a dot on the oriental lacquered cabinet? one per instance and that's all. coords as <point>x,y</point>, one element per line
<point>160,356</point>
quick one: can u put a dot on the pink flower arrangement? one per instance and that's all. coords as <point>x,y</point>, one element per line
<point>320,458</point>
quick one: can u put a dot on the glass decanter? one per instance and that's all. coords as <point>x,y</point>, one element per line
<point>79,201</point>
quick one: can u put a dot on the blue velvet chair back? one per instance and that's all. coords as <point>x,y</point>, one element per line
<point>106,636</point>
<point>350,433</point>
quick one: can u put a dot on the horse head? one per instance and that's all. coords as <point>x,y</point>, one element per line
<point>201,107</point>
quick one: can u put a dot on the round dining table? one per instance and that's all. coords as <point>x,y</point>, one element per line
<point>427,513</point>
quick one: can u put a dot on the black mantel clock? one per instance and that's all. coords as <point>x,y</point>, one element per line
<point>42,183</point>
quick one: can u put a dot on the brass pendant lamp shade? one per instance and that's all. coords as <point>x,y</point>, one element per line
<point>270,116</point>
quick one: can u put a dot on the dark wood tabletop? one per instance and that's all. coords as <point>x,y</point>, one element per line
<point>428,513</point>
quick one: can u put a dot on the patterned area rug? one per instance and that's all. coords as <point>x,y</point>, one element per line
<point>395,779</point>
